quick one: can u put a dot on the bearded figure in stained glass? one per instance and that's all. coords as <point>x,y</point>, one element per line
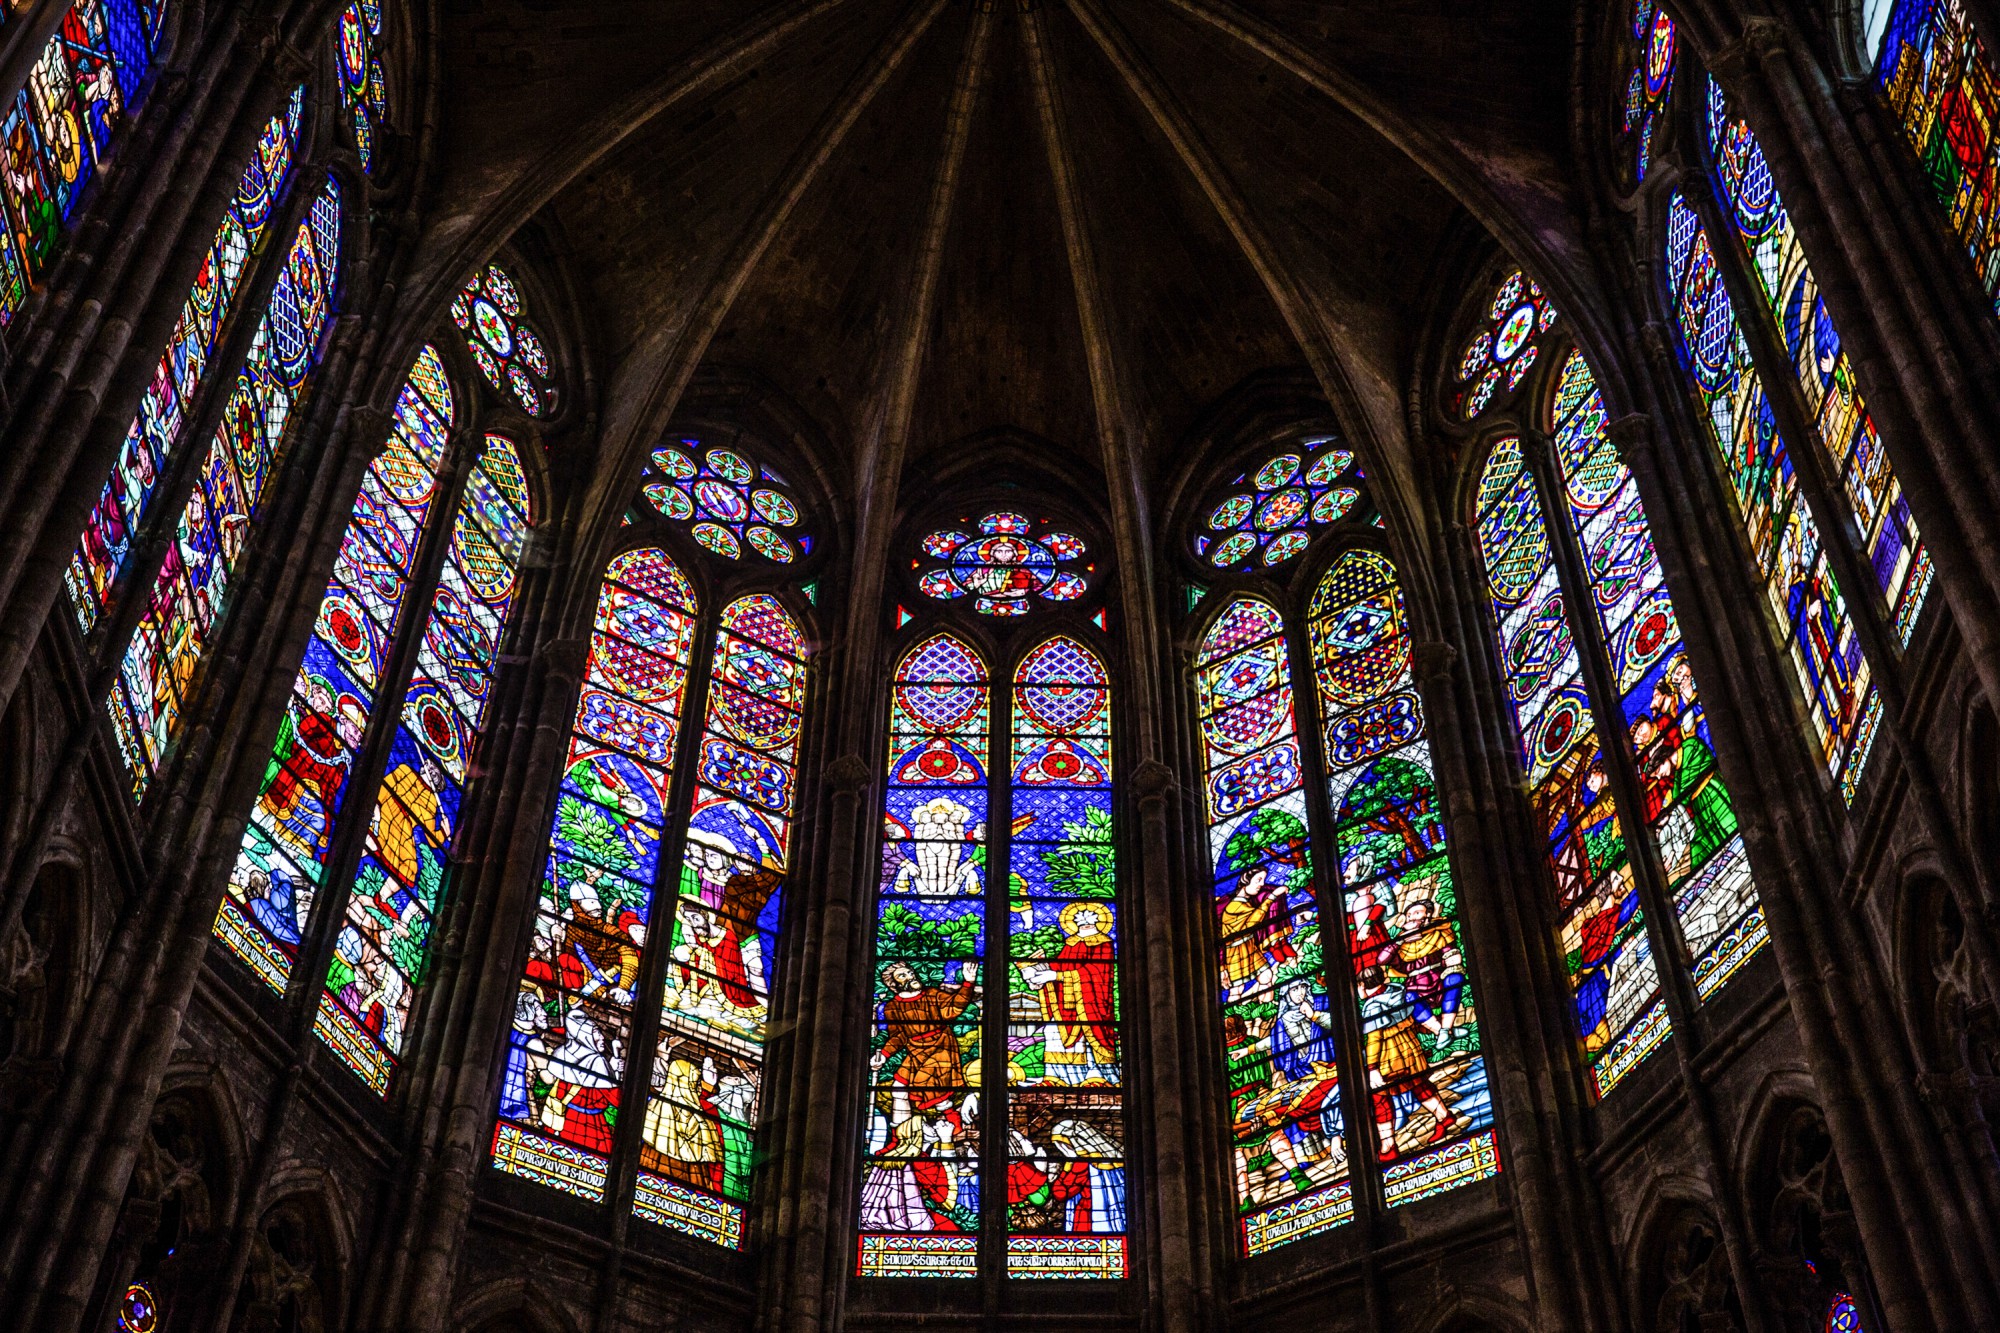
<point>1432,967</point>
<point>1265,857</point>
<point>1077,990</point>
<point>922,1042</point>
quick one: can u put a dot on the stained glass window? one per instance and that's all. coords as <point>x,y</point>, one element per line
<point>1504,348</point>
<point>138,1310</point>
<point>730,504</point>
<point>1427,1084</point>
<point>1650,84</point>
<point>191,592</point>
<point>921,1169</point>
<point>59,128</point>
<point>1004,562</point>
<point>1616,986</point>
<point>1688,810</point>
<point>1937,77</point>
<point>560,1092</point>
<point>151,439</point>
<point>1283,1068</point>
<point>1059,1087</point>
<point>708,1066</point>
<point>1064,1070</point>
<point>1846,432</point>
<point>1267,515</point>
<point>282,864</point>
<point>379,955</point>
<point>510,353</point>
<point>1817,629</point>
<point>1842,1315</point>
<point>362,91</point>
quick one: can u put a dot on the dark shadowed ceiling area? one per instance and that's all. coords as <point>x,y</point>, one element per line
<point>927,220</point>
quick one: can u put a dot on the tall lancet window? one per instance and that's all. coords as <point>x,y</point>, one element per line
<point>404,616</point>
<point>190,594</point>
<point>1846,433</point>
<point>58,130</point>
<point>995,1116</point>
<point>152,440</point>
<point>1589,646</point>
<point>1937,76</point>
<point>1314,824</point>
<point>656,929</point>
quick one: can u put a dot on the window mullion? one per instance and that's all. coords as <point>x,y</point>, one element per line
<point>1822,492</point>
<point>1641,847</point>
<point>371,759</point>
<point>1356,1102</point>
<point>649,992</point>
<point>998,989</point>
<point>108,643</point>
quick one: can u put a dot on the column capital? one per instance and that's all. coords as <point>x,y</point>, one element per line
<point>1154,781</point>
<point>1435,659</point>
<point>849,775</point>
<point>1632,433</point>
<point>563,658</point>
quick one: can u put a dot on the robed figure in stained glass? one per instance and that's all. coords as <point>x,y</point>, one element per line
<point>1077,991</point>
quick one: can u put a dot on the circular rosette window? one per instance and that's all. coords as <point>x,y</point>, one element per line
<point>732,505</point>
<point>1505,346</point>
<point>1004,564</point>
<point>1266,517</point>
<point>511,355</point>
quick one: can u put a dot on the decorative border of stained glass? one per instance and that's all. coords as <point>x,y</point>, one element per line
<point>1267,516</point>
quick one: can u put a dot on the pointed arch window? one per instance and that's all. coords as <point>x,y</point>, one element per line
<point>155,433</point>
<point>1022,781</point>
<point>390,858</point>
<point>1294,999</point>
<point>623,874</point>
<point>1937,77</point>
<point>58,130</point>
<point>1826,376</point>
<point>1817,627</point>
<point>190,593</point>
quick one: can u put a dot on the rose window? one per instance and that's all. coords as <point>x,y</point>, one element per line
<point>1266,517</point>
<point>730,503</point>
<point>510,354</point>
<point>1004,564</point>
<point>1503,351</point>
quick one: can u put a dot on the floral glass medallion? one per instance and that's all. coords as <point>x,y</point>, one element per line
<point>1265,518</point>
<point>734,507</point>
<point>1504,349</point>
<point>1004,562</point>
<point>511,355</point>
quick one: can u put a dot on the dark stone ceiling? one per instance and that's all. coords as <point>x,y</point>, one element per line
<point>1264,185</point>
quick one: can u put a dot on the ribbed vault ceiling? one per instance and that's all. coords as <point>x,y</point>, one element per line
<point>1134,204</point>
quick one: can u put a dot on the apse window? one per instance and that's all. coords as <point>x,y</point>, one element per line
<point>1267,515</point>
<point>510,354</point>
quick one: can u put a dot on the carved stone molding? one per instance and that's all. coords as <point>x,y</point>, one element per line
<point>1154,781</point>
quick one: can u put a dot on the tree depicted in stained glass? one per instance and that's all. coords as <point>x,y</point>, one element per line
<point>1649,84</point>
<point>730,505</point>
<point>1267,515</point>
<point>1427,1083</point>
<point>1066,1203</point>
<point>380,953</point>
<point>57,131</point>
<point>510,354</point>
<point>1620,1012</point>
<point>282,864</point>
<point>708,1065</point>
<point>155,433</point>
<point>1937,76</point>
<point>1815,625</point>
<point>1505,346</point>
<point>571,1030</point>
<point>920,1170</point>
<point>364,95</point>
<point>1688,809</point>
<point>1003,563</point>
<point>1846,433</point>
<point>188,598</point>
<point>1283,1069</point>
